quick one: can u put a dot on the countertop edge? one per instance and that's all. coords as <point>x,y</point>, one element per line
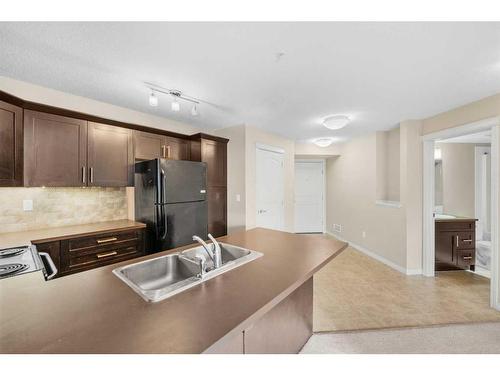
<point>280,297</point>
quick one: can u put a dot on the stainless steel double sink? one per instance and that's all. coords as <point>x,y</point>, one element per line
<point>160,278</point>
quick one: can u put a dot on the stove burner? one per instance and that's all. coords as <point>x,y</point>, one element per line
<point>12,252</point>
<point>13,268</point>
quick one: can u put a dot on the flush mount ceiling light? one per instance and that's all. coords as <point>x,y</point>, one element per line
<point>323,142</point>
<point>336,122</point>
<point>176,94</point>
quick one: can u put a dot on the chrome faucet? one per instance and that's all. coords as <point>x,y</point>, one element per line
<point>215,253</point>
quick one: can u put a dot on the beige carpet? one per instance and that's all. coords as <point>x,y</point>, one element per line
<point>356,292</point>
<point>457,338</point>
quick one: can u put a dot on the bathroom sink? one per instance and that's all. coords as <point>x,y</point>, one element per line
<point>160,278</point>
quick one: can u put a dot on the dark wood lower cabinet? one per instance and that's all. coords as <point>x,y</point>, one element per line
<point>83,253</point>
<point>455,244</point>
<point>283,329</point>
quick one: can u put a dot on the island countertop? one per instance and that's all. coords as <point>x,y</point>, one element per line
<point>95,312</point>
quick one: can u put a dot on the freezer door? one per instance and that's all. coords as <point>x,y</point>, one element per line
<point>182,220</point>
<point>183,181</point>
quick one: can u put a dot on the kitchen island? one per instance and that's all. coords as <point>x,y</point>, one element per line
<point>262,306</point>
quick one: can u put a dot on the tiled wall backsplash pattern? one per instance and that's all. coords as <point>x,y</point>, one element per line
<point>60,206</point>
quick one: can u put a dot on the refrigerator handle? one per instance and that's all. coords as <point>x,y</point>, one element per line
<point>164,222</point>
<point>163,183</point>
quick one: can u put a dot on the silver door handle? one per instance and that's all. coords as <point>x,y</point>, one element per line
<point>262,211</point>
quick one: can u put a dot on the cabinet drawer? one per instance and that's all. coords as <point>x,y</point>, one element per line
<point>76,245</point>
<point>465,240</point>
<point>103,256</point>
<point>466,258</point>
<point>456,225</point>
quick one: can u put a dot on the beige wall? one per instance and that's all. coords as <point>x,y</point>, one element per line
<point>458,178</point>
<point>351,196</point>
<point>388,165</point>
<point>411,177</point>
<point>236,211</point>
<point>39,94</point>
<point>466,114</point>
<point>60,206</point>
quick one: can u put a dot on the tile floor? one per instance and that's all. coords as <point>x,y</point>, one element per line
<point>356,292</point>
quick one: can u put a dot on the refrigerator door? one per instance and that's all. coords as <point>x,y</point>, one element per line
<point>182,181</point>
<point>182,221</point>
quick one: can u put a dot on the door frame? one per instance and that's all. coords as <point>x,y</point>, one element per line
<point>429,140</point>
<point>277,150</point>
<point>478,186</point>
<point>323,169</point>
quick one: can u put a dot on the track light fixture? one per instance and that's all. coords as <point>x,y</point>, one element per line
<point>176,94</point>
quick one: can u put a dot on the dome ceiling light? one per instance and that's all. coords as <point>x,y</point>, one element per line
<point>336,122</point>
<point>176,94</point>
<point>323,142</point>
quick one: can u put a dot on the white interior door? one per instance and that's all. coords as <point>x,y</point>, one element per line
<point>309,196</point>
<point>270,188</point>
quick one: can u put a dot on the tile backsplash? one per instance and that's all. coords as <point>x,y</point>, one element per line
<point>60,206</point>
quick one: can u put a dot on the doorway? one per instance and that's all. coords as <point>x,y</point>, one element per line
<point>429,203</point>
<point>270,187</point>
<point>309,196</point>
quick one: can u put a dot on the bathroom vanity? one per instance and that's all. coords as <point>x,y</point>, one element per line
<point>455,243</point>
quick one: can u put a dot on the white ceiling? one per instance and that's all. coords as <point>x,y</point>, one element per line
<point>376,73</point>
<point>480,137</point>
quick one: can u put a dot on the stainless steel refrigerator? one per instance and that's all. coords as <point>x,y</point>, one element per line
<point>170,198</point>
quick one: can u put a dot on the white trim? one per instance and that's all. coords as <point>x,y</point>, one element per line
<point>428,253</point>
<point>381,259</point>
<point>473,127</point>
<point>265,147</point>
<point>480,189</point>
<point>323,165</point>
<point>393,204</point>
<point>495,252</point>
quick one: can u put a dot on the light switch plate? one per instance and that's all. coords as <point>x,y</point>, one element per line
<point>28,205</point>
<point>238,198</point>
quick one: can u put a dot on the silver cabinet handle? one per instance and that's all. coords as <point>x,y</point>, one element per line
<point>84,175</point>
<point>457,240</point>
<point>467,240</point>
<point>51,264</point>
<point>105,255</point>
<point>163,151</point>
<point>91,175</point>
<point>467,258</point>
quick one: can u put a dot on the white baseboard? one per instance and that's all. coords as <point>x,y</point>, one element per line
<point>371,254</point>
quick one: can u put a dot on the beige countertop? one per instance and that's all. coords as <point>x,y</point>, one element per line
<point>95,312</point>
<point>13,239</point>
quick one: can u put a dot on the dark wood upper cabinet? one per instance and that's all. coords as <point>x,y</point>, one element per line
<point>217,210</point>
<point>55,150</point>
<point>176,148</point>
<point>11,145</point>
<point>148,146</point>
<point>110,155</point>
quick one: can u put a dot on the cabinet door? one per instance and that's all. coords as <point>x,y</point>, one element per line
<point>110,155</point>
<point>148,146</point>
<point>214,154</point>
<point>177,149</point>
<point>217,203</point>
<point>11,145</point>
<point>55,150</point>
